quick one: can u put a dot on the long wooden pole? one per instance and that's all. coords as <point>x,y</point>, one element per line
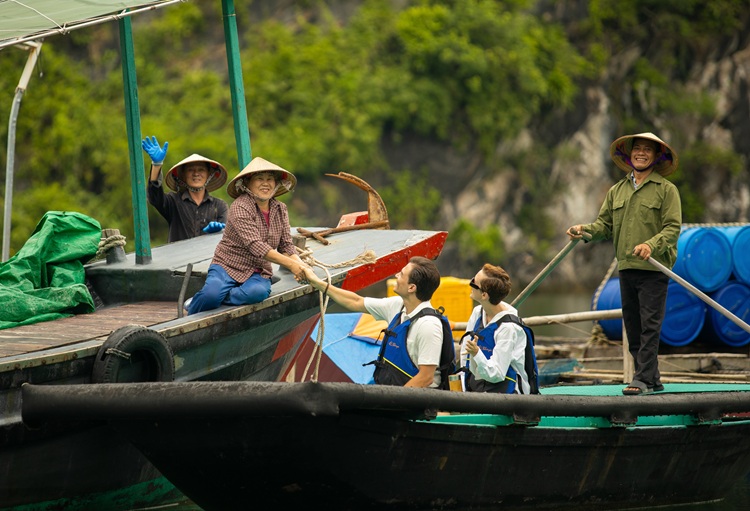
<point>523,295</point>
<point>570,317</point>
<point>700,294</point>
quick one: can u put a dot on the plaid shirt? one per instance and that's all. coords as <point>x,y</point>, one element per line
<point>247,238</point>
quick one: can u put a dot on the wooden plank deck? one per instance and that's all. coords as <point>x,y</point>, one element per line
<point>52,334</point>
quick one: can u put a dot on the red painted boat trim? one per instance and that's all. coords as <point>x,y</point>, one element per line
<point>291,339</point>
<point>367,275</point>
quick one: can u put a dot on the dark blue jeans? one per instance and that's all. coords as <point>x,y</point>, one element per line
<point>644,300</point>
<point>220,288</point>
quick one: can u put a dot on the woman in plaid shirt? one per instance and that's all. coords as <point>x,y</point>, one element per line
<point>257,234</point>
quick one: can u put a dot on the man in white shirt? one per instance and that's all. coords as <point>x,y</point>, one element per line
<point>413,351</point>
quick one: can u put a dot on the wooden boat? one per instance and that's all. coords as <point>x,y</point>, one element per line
<point>353,446</point>
<point>139,331</point>
<point>253,342</point>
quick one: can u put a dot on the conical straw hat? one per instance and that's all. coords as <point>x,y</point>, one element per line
<point>620,150</point>
<point>217,175</point>
<point>284,178</point>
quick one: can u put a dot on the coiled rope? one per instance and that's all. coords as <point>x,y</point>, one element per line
<point>366,257</point>
<point>109,242</point>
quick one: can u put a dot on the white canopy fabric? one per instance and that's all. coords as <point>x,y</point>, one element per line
<point>28,20</point>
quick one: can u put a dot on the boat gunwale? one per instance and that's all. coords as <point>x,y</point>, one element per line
<point>261,399</point>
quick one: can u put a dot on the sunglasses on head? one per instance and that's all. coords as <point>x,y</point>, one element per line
<point>474,285</point>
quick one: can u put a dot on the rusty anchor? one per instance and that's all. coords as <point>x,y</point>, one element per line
<point>377,215</point>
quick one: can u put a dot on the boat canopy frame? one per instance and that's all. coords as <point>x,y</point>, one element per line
<point>22,21</point>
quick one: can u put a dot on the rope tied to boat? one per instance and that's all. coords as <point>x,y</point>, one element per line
<point>317,353</point>
<point>118,353</point>
<point>366,257</point>
<point>110,242</point>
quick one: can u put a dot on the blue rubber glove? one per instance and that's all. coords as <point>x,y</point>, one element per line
<point>157,154</point>
<point>213,227</point>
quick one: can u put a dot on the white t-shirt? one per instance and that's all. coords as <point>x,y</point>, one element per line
<point>509,350</point>
<point>424,341</point>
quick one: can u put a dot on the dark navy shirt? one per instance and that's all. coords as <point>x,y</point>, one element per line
<point>186,219</point>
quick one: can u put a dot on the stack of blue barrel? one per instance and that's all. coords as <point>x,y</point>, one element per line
<point>715,260</point>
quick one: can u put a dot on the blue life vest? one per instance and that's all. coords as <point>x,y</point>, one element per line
<point>394,366</point>
<point>486,343</point>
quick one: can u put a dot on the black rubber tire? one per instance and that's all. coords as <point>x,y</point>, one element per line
<point>150,357</point>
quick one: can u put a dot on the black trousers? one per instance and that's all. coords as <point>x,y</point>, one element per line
<point>644,299</point>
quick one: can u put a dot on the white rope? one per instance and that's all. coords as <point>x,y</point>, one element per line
<point>366,257</point>
<point>317,353</point>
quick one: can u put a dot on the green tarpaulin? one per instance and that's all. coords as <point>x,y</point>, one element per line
<point>45,280</point>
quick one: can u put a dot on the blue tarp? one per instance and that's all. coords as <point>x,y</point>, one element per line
<point>348,349</point>
<point>45,280</point>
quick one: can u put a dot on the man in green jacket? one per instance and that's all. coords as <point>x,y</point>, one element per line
<point>642,214</point>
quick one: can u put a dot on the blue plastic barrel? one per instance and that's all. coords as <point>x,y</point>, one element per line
<point>739,240</point>
<point>684,317</point>
<point>735,297</point>
<point>609,299</point>
<point>704,258</point>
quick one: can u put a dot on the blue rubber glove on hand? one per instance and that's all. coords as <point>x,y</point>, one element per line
<point>213,227</point>
<point>157,154</point>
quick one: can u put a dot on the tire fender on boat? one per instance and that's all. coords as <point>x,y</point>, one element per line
<point>133,353</point>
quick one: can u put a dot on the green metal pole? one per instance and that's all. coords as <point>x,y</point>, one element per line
<point>133,121</point>
<point>236,86</point>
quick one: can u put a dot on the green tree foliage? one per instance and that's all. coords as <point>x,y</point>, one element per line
<point>473,247</point>
<point>696,163</point>
<point>466,72</point>
<point>327,92</point>
<point>417,201</point>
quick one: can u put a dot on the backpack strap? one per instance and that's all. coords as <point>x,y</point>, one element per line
<point>386,333</point>
<point>530,365</point>
<point>447,363</point>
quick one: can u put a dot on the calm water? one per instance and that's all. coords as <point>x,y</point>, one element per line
<point>562,303</point>
<point>559,303</point>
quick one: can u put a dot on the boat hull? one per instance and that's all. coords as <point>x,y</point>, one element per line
<point>373,447</point>
<point>359,462</point>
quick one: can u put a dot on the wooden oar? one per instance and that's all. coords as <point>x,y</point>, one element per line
<point>700,294</point>
<point>523,295</point>
<point>318,235</point>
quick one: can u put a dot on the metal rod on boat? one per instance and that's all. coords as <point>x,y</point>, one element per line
<point>183,290</point>
<point>523,295</point>
<point>700,294</point>
<point>34,49</point>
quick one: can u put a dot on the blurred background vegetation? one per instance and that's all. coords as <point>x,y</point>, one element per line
<point>335,86</point>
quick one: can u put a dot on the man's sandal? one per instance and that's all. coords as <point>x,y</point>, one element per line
<point>636,388</point>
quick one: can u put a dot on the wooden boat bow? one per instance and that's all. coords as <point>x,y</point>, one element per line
<point>377,214</point>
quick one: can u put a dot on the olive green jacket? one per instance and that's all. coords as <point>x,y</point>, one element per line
<point>652,214</point>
